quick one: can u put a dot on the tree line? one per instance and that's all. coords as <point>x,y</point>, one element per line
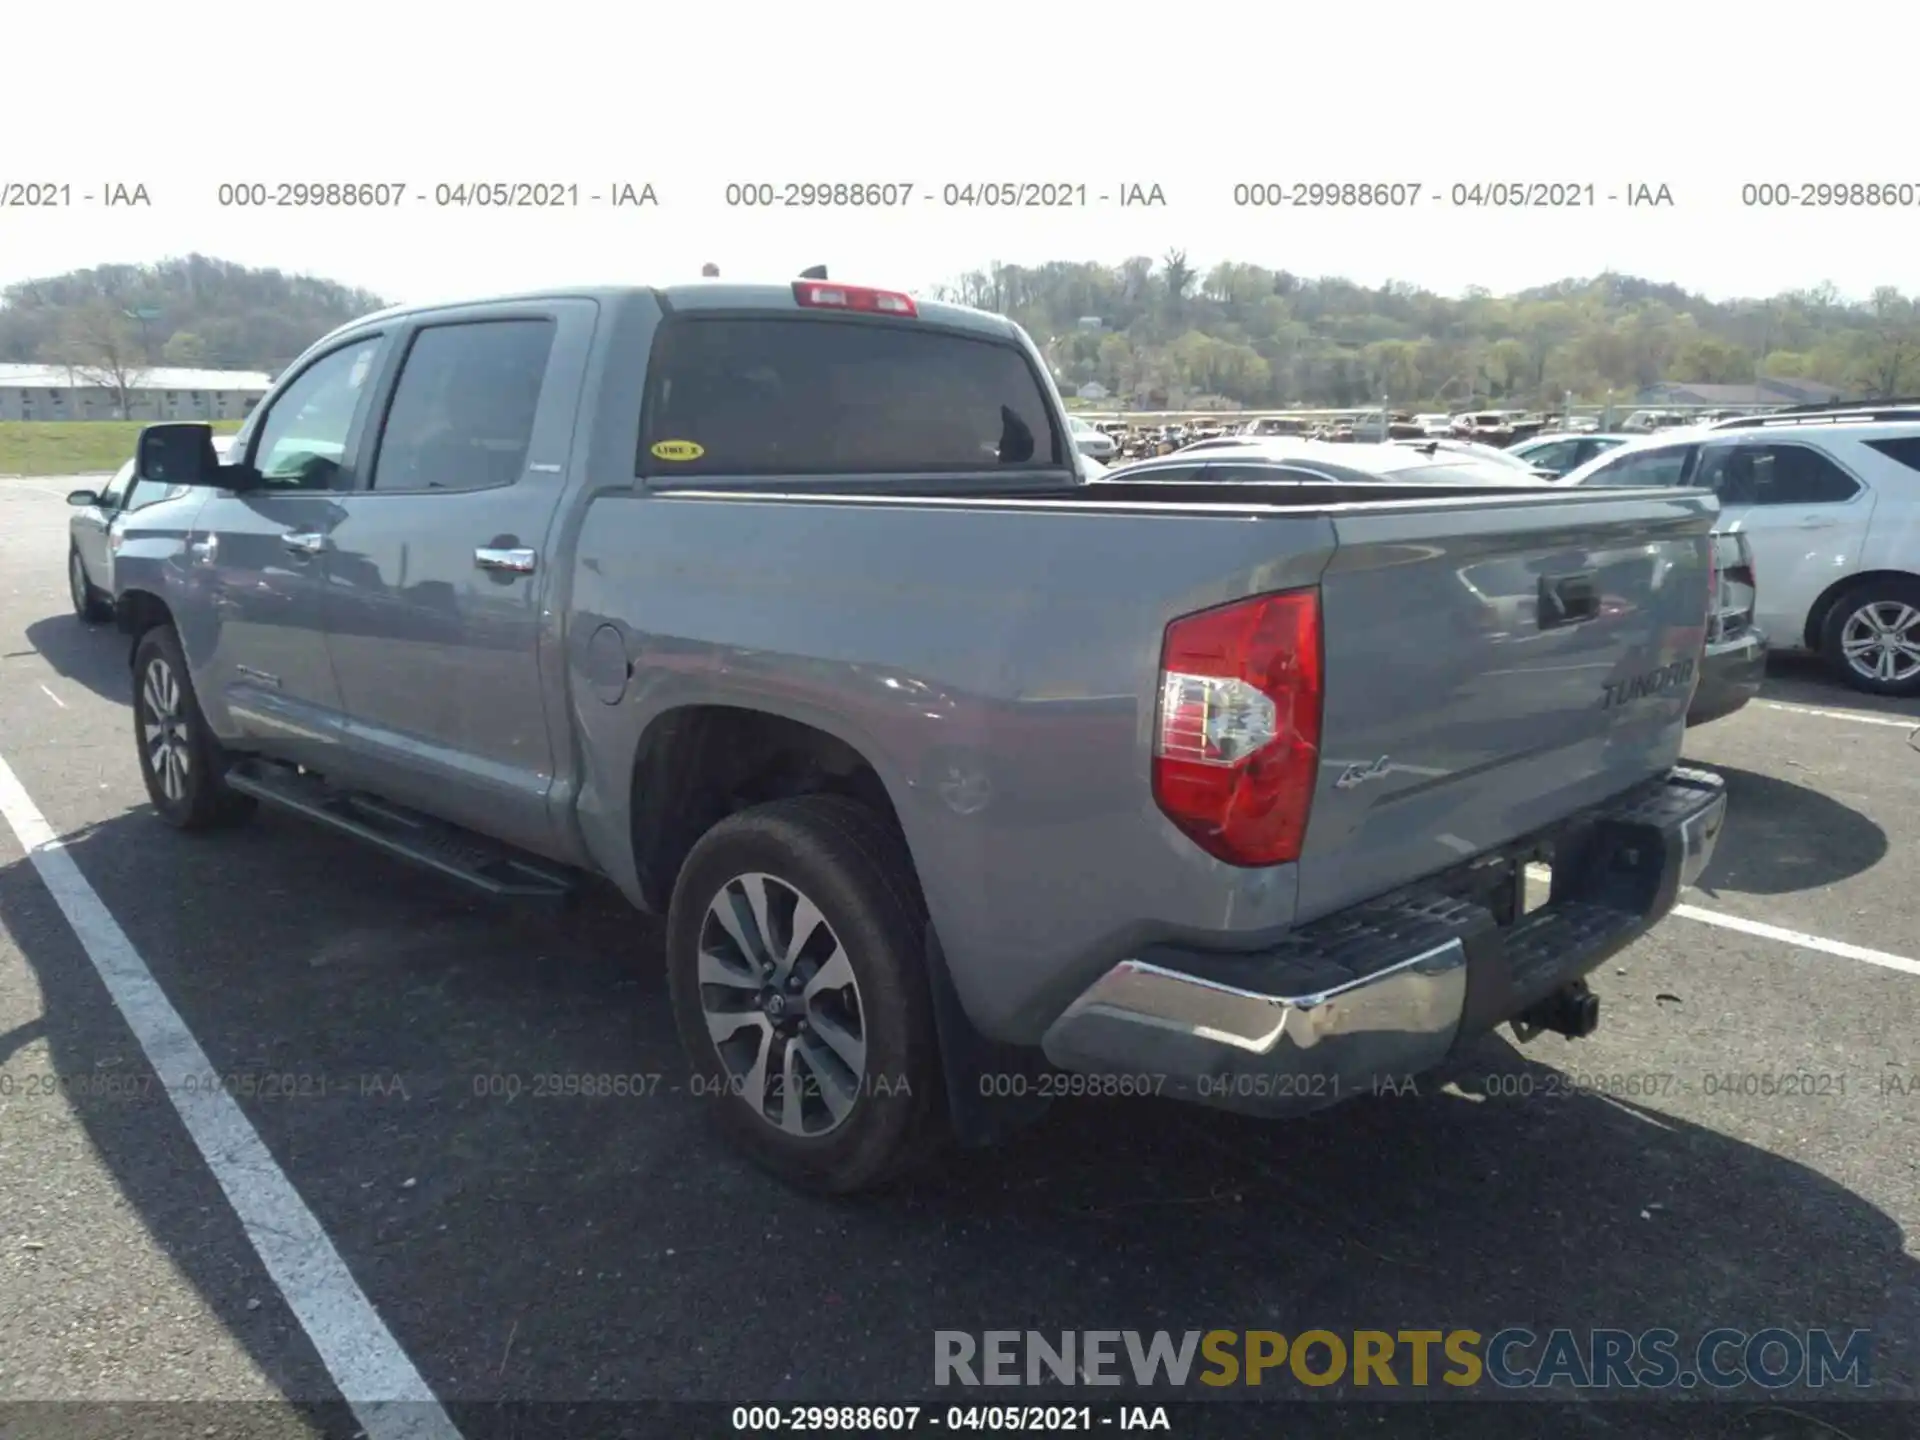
<point>1162,331</point>
<point>1153,331</point>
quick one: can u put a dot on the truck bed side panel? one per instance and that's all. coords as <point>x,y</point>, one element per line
<point>997,666</point>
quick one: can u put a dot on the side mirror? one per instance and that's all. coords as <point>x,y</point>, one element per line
<point>78,498</point>
<point>178,454</point>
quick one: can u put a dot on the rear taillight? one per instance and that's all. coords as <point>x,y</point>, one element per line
<point>821,295</point>
<point>1237,743</point>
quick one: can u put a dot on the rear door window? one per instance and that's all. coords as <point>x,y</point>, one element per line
<point>804,396</point>
<point>462,415</point>
<point>1777,474</point>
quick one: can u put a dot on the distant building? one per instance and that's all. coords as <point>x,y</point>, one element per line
<point>1761,392</point>
<point>55,392</point>
<point>1090,322</point>
<point>1092,390</point>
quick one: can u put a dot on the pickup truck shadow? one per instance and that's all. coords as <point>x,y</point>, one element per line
<point>91,655</point>
<point>1784,837</point>
<point>406,1053</point>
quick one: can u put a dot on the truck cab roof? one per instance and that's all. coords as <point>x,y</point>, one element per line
<point>704,296</point>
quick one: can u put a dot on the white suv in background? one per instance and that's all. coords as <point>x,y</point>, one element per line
<point>1829,499</point>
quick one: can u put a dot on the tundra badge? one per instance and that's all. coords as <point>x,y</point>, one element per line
<point>1652,682</point>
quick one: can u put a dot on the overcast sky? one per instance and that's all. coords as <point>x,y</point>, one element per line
<point>1702,99</point>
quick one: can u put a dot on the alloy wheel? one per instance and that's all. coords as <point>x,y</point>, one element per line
<point>782,1006</point>
<point>163,726</point>
<point>1881,641</point>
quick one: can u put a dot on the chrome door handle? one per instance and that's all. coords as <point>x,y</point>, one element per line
<point>516,561</point>
<point>304,542</point>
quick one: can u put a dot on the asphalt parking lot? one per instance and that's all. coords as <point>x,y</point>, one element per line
<point>555,1248</point>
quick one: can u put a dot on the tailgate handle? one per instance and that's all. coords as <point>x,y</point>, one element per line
<point>1568,599</point>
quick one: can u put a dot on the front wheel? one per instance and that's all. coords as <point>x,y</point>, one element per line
<point>180,760</point>
<point>88,603</point>
<point>796,963</point>
<point>1872,637</point>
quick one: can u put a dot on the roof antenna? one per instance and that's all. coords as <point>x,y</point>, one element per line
<point>816,272</point>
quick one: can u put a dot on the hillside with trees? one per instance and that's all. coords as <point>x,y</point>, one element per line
<point>1166,332</point>
<point>1154,331</point>
<point>190,312</point>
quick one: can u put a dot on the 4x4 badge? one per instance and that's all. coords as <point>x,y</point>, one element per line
<point>1359,774</point>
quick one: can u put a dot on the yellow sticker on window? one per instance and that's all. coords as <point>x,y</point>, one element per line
<point>677,450</point>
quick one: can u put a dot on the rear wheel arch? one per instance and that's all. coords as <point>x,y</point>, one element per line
<point>1822,607</point>
<point>697,764</point>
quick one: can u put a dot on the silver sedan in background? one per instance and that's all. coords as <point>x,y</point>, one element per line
<point>89,532</point>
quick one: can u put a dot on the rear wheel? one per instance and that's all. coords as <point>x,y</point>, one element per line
<point>1872,637</point>
<point>88,603</point>
<point>796,962</point>
<point>180,760</point>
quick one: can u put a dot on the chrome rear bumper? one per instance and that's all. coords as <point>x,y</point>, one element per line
<point>1364,999</point>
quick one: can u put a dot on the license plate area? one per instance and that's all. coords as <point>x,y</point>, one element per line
<point>1512,883</point>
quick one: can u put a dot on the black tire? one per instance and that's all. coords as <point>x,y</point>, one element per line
<point>1841,615</point>
<point>88,603</point>
<point>190,793</point>
<point>853,868</point>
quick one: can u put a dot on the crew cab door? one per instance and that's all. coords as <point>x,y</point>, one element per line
<point>1804,515</point>
<point>439,567</point>
<point>254,620</point>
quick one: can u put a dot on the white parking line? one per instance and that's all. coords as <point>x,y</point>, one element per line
<point>388,1396</point>
<point>1541,875</point>
<point>1864,719</point>
<point>53,697</point>
<point>1800,938</point>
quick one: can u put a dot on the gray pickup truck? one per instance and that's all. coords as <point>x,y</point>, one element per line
<point>961,778</point>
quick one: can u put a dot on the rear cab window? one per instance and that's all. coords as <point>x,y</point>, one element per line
<point>804,395</point>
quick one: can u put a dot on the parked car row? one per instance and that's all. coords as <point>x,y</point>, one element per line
<point>1496,429</point>
<point>1734,647</point>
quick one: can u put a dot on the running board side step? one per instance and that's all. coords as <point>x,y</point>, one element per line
<point>448,850</point>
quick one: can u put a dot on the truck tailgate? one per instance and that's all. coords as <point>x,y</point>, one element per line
<point>1491,668</point>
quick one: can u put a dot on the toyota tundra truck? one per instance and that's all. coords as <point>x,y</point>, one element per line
<point>789,610</point>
